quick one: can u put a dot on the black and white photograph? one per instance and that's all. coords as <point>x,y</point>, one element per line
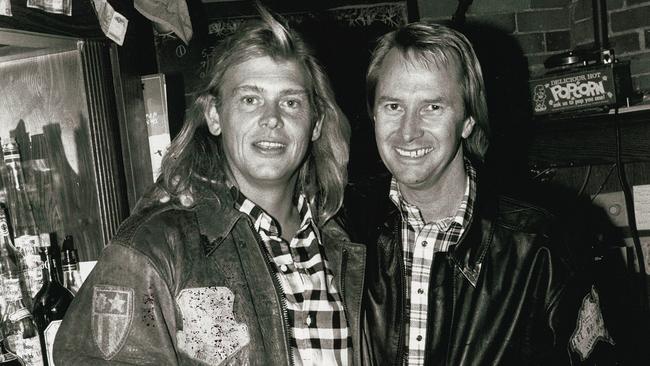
<point>336,183</point>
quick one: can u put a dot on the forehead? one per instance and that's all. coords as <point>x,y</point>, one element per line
<point>417,72</point>
<point>265,73</point>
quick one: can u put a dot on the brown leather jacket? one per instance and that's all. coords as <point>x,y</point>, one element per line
<point>507,294</point>
<point>189,286</point>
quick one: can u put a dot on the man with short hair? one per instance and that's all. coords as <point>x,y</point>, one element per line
<point>458,274</point>
<point>250,268</point>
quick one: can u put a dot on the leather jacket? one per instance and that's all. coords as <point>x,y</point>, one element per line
<point>509,293</point>
<point>193,286</point>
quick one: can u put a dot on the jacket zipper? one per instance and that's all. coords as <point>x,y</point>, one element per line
<point>344,263</point>
<point>276,283</point>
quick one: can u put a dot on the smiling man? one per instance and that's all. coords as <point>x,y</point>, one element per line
<point>251,268</point>
<point>458,274</point>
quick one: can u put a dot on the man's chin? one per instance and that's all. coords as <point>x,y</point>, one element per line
<point>411,181</point>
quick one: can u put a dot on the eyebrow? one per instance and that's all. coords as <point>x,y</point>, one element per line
<point>386,98</point>
<point>257,89</point>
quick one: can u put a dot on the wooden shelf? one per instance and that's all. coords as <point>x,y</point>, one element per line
<point>590,139</point>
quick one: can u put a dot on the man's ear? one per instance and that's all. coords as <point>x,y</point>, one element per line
<point>315,133</point>
<point>212,118</point>
<point>468,126</point>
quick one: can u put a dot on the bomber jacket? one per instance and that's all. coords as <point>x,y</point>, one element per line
<point>193,286</point>
<point>509,293</point>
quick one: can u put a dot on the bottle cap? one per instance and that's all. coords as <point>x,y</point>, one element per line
<point>68,243</point>
<point>10,150</point>
<point>19,314</point>
<point>45,239</point>
<point>69,257</point>
<point>8,141</point>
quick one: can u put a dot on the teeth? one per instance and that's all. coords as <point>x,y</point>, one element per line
<point>413,153</point>
<point>269,145</point>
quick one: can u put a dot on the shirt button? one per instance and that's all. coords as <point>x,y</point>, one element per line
<point>424,243</point>
<point>419,338</point>
<point>283,268</point>
<point>308,320</point>
<point>420,291</point>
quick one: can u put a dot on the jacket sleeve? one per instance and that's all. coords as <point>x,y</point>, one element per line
<point>579,330</point>
<point>575,317</point>
<point>366,344</point>
<point>124,314</point>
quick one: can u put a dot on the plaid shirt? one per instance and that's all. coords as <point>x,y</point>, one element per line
<point>319,334</point>
<point>420,241</point>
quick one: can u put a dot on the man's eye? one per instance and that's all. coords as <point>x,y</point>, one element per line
<point>393,107</point>
<point>292,103</point>
<point>432,108</point>
<point>249,100</point>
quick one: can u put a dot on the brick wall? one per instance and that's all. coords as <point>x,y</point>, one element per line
<point>546,27</point>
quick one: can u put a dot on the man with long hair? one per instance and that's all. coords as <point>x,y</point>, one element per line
<point>250,268</point>
<point>459,274</point>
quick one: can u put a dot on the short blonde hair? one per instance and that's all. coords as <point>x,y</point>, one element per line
<point>437,45</point>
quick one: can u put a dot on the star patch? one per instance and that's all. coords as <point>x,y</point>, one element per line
<point>590,326</point>
<point>112,315</point>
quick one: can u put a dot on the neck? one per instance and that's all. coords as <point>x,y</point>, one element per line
<point>277,201</point>
<point>442,198</point>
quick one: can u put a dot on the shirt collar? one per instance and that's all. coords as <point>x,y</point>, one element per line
<point>263,221</point>
<point>412,213</point>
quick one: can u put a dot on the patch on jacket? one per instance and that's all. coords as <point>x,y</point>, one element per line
<point>210,332</point>
<point>112,315</point>
<point>590,326</point>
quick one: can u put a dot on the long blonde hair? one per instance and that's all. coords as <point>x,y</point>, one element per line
<point>196,152</point>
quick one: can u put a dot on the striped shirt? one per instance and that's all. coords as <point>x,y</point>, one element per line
<point>319,334</point>
<point>420,241</point>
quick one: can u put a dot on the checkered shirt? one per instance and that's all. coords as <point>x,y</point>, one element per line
<point>319,334</point>
<point>420,241</point>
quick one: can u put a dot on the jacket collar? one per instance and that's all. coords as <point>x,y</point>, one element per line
<point>468,255</point>
<point>216,215</point>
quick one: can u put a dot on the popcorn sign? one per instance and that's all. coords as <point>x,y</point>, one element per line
<point>581,89</point>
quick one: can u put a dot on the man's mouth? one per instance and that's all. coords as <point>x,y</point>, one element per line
<point>413,153</point>
<point>269,145</point>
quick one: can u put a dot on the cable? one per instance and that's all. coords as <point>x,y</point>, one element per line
<point>602,185</point>
<point>585,181</point>
<point>631,217</point>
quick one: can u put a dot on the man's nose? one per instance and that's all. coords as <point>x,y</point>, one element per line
<point>271,117</point>
<point>411,128</point>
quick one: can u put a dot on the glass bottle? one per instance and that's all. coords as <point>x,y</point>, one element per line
<point>22,218</point>
<point>50,304</point>
<point>7,358</point>
<point>16,266</point>
<point>70,264</point>
<point>17,322</point>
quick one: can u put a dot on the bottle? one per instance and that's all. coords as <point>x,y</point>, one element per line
<point>70,264</point>
<point>50,303</point>
<point>22,218</point>
<point>16,258</point>
<point>17,322</point>
<point>7,358</point>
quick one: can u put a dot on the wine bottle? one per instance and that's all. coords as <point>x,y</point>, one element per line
<point>22,218</point>
<point>17,322</point>
<point>70,264</point>
<point>50,304</point>
<point>7,358</point>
